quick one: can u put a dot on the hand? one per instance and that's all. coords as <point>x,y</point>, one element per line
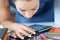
<point>21,29</point>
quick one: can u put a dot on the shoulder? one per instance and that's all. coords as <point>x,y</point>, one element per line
<point>11,3</point>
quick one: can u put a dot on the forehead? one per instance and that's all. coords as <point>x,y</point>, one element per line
<point>26,5</point>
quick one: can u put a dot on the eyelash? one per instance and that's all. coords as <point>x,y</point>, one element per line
<point>25,10</point>
<point>34,9</point>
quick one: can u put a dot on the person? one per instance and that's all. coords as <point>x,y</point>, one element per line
<point>27,11</point>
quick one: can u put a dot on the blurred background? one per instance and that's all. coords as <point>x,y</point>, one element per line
<point>57,13</point>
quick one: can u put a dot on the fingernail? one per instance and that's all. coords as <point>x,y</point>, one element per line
<point>14,36</point>
<point>34,33</point>
<point>22,37</point>
<point>29,35</point>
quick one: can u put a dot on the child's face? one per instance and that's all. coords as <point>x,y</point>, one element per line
<point>27,8</point>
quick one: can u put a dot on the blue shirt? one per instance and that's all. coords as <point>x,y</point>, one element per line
<point>45,13</point>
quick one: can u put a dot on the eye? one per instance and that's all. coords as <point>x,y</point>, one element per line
<point>34,9</point>
<point>23,10</point>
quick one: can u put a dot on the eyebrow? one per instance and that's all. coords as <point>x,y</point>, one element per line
<point>31,9</point>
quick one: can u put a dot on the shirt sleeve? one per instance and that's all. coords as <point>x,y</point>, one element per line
<point>11,3</point>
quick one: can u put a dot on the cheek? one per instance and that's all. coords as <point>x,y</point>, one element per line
<point>35,11</point>
<point>31,13</point>
<point>21,12</point>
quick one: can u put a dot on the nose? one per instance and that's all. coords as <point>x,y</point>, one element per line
<point>28,14</point>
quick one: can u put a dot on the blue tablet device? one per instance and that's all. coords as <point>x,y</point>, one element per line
<point>40,28</point>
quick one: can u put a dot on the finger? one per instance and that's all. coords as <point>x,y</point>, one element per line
<point>29,29</point>
<point>43,36</point>
<point>15,36</point>
<point>24,32</point>
<point>19,35</point>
